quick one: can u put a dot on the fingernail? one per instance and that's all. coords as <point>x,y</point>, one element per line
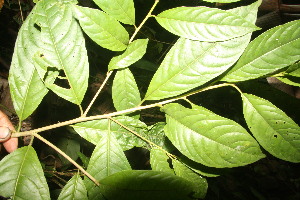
<point>4,133</point>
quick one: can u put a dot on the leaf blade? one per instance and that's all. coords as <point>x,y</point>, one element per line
<point>125,92</point>
<point>74,189</point>
<point>204,24</point>
<point>122,10</point>
<point>209,139</point>
<point>21,171</point>
<point>271,51</point>
<point>102,28</point>
<point>159,161</point>
<point>273,129</point>
<point>133,53</point>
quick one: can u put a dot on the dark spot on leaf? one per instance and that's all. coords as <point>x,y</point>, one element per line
<point>275,136</point>
<point>41,55</point>
<point>37,27</point>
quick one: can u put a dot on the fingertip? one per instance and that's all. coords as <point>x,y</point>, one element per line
<point>11,145</point>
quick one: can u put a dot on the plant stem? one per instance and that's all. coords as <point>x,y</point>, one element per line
<point>97,93</point>
<point>97,117</point>
<point>67,157</point>
<point>144,21</point>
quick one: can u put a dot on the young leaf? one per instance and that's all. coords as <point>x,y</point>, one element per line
<point>22,176</point>
<point>134,52</point>
<point>125,92</point>
<point>272,128</point>
<point>62,50</point>
<point>107,158</point>
<point>93,131</point>
<point>199,183</point>
<point>102,28</point>
<point>121,10</point>
<point>190,64</point>
<point>204,24</point>
<point>159,161</point>
<point>26,88</point>
<point>271,51</point>
<point>146,185</point>
<point>209,139</point>
<point>74,189</point>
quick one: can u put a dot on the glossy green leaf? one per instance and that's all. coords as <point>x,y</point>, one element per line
<point>102,28</point>
<point>26,88</point>
<point>134,52</point>
<point>62,51</point>
<point>74,189</point>
<point>146,185</point>
<point>290,80</point>
<point>22,176</point>
<point>125,92</point>
<point>294,70</point>
<point>122,10</point>
<point>107,158</point>
<point>93,131</point>
<point>190,64</point>
<point>272,128</point>
<point>209,139</point>
<point>199,183</point>
<point>204,24</point>
<point>159,161</point>
<point>273,50</point>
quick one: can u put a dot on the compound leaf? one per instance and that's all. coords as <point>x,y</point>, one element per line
<point>134,52</point>
<point>273,50</point>
<point>74,189</point>
<point>146,185</point>
<point>22,176</point>
<point>125,92</point>
<point>121,10</point>
<point>209,139</point>
<point>102,28</point>
<point>199,183</point>
<point>204,24</point>
<point>272,128</point>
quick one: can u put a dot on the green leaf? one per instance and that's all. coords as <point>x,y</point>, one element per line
<point>209,139</point>
<point>22,176</point>
<point>122,10</point>
<point>190,64</point>
<point>102,28</point>
<point>269,52</point>
<point>272,128</point>
<point>74,189</point>
<point>204,24</point>
<point>146,185</point>
<point>199,183</point>
<point>159,161</point>
<point>93,131</point>
<point>107,158</point>
<point>70,147</point>
<point>294,70</point>
<point>84,159</point>
<point>62,51</point>
<point>134,52</point>
<point>125,92</point>
<point>290,80</point>
<point>26,88</point>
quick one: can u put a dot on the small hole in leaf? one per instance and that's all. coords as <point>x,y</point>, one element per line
<point>275,136</point>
